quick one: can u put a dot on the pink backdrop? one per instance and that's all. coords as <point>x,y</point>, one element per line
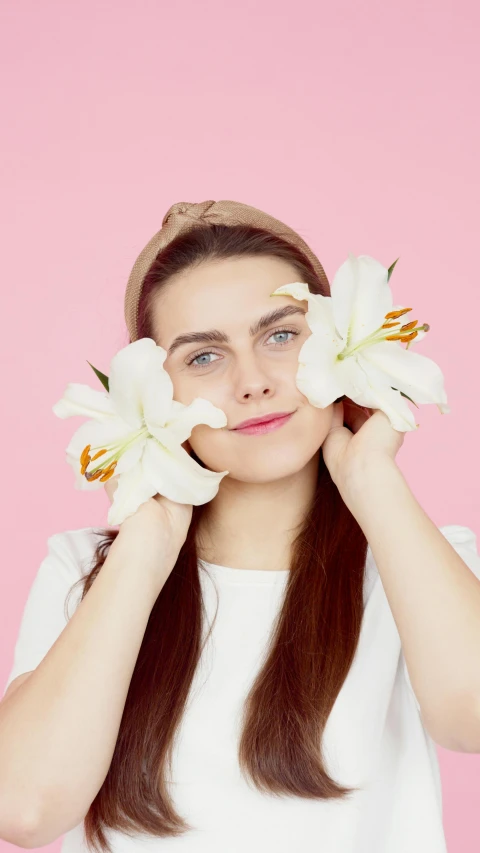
<point>357,124</point>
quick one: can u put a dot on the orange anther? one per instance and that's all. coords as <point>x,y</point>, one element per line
<point>109,472</point>
<point>395,314</point>
<point>100,453</point>
<point>84,453</point>
<point>112,465</point>
<point>389,325</point>
<point>402,337</point>
<point>95,476</point>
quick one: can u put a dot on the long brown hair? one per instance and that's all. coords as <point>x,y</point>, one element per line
<point>311,648</point>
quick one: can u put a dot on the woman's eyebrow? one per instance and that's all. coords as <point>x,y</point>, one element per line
<point>216,336</point>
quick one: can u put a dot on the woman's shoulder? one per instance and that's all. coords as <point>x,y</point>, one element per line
<point>75,548</point>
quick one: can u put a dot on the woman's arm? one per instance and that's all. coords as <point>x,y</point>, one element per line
<point>58,728</point>
<point>434,597</point>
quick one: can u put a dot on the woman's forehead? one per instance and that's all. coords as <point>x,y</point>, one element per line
<point>221,298</point>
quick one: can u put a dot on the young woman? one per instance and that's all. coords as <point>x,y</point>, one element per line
<point>270,670</point>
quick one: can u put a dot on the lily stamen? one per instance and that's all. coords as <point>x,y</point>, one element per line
<point>84,455</point>
<point>402,337</point>
<point>109,472</point>
<point>407,335</point>
<point>394,314</point>
<point>106,470</point>
<point>99,471</point>
<point>100,452</point>
<point>95,476</point>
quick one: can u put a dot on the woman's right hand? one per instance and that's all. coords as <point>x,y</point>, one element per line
<point>157,517</point>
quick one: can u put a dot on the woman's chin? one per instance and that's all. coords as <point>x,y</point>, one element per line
<point>267,468</point>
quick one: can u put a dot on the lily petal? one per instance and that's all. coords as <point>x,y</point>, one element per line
<point>133,489</point>
<point>80,399</point>
<point>410,372</point>
<point>361,297</point>
<point>184,418</point>
<point>354,382</point>
<point>135,376</point>
<point>177,476</point>
<point>393,405</point>
<point>156,389</point>
<point>98,435</point>
<point>316,376</point>
<point>319,316</point>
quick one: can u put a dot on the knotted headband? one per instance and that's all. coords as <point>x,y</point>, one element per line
<point>185,215</point>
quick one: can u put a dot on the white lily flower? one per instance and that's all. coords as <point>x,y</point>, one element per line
<point>136,431</point>
<point>355,346</point>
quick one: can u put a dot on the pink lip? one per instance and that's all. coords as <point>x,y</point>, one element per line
<point>265,426</point>
<point>261,420</point>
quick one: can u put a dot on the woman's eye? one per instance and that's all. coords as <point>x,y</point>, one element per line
<point>194,358</point>
<point>201,355</point>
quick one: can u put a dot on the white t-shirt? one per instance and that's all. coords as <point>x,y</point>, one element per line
<point>374,737</point>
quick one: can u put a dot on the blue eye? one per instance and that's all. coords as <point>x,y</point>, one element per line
<point>193,358</point>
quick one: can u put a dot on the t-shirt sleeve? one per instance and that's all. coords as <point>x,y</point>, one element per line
<point>464,541</point>
<point>45,612</point>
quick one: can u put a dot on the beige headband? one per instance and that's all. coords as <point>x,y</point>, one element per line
<point>184,215</point>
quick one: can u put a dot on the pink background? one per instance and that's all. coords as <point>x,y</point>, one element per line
<point>357,124</point>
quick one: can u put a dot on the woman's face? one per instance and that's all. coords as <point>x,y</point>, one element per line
<point>247,374</point>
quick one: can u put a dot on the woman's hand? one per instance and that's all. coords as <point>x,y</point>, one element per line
<point>368,436</point>
<point>159,517</point>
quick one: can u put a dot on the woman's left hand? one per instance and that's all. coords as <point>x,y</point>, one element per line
<point>370,437</point>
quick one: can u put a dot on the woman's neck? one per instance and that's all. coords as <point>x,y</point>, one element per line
<point>253,525</point>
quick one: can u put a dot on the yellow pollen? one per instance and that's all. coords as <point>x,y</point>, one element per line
<point>394,314</point>
<point>100,453</point>
<point>84,454</point>
<point>85,465</point>
<point>85,460</point>
<point>389,325</point>
<point>96,476</point>
<point>402,329</point>
<point>402,337</point>
<point>108,472</point>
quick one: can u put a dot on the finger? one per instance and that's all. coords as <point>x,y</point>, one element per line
<point>356,417</point>
<point>338,415</point>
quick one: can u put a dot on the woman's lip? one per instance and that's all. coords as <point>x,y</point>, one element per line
<point>253,422</point>
<point>265,426</point>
